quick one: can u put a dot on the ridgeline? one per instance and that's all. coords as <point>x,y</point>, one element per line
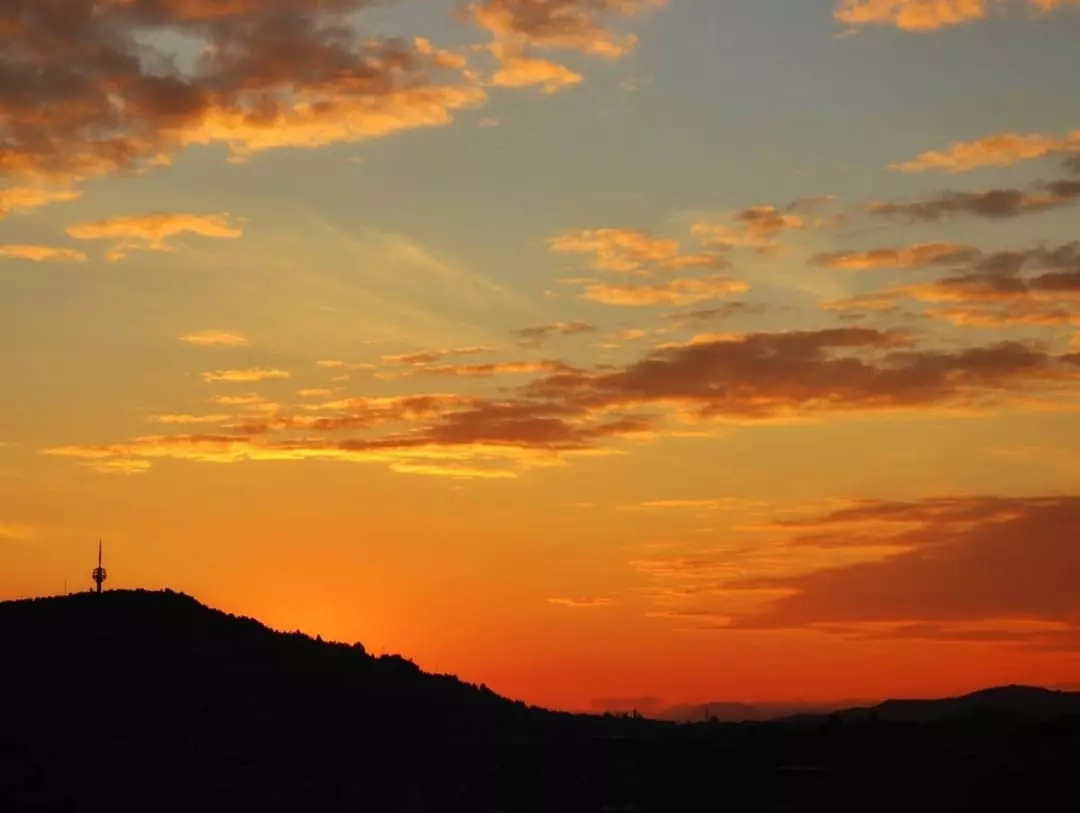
<point>149,701</point>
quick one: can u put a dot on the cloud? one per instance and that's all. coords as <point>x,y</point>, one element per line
<point>42,254</point>
<point>999,150</point>
<point>674,292</point>
<point>536,336</point>
<point>188,419</point>
<point>492,369</point>
<point>249,399</point>
<point>921,255</point>
<point>711,503</point>
<point>256,374</point>
<point>580,603</point>
<point>149,232</point>
<point>765,376</point>
<point>215,338</point>
<point>631,251</point>
<point>427,356</point>
<point>993,204</point>
<point>921,16</point>
<point>567,24</point>
<point>25,199</point>
<point>295,73</point>
<point>954,561</point>
<point>10,532</point>
<point>1036,287</point>
<point>726,311</point>
<point>759,227</point>
<point>516,70</point>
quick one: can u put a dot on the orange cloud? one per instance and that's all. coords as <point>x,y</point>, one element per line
<point>928,15</point>
<point>758,227</point>
<point>955,560</point>
<point>295,73</point>
<point>580,603</point>
<point>674,292</point>
<point>24,199</point>
<point>570,24</point>
<point>1038,287</point>
<point>920,255</point>
<point>993,204</point>
<point>148,232</point>
<point>256,374</point>
<point>492,369</point>
<point>767,376</point>
<point>516,70</point>
<point>215,338</point>
<point>536,336</point>
<point>728,310</point>
<point>1000,150</point>
<point>631,251</point>
<point>42,254</point>
<point>430,356</point>
<point>188,419</point>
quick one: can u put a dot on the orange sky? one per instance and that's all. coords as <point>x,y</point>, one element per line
<point>614,353</point>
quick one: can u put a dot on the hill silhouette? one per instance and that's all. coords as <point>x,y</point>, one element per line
<point>150,701</point>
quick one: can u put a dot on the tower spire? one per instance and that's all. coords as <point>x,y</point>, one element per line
<point>99,574</point>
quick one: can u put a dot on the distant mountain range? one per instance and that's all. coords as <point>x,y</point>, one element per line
<point>1018,701</point>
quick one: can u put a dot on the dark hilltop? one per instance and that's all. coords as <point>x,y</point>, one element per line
<point>151,702</point>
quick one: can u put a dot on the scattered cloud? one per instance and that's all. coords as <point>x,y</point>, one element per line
<point>188,419</point>
<point>765,376</point>
<point>993,204</point>
<point>492,369</point>
<point>429,356</point>
<point>921,255</point>
<point>577,25</point>
<point>954,560</point>
<point>214,337</point>
<point>255,374</point>
<point>999,150</point>
<point>536,336</point>
<point>921,16</point>
<point>728,310</point>
<point>516,70</point>
<point>673,292</point>
<point>42,254</point>
<point>149,232</point>
<point>296,73</point>
<point>25,199</point>
<point>580,603</point>
<point>710,503</point>
<point>1036,287</point>
<point>632,251</point>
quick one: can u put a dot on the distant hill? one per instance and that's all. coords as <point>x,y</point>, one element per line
<point>1003,702</point>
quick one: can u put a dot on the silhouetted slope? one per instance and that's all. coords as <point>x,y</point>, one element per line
<point>999,703</point>
<point>151,702</point>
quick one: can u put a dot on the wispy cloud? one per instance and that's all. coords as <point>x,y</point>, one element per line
<point>249,375</point>
<point>42,253</point>
<point>214,337</point>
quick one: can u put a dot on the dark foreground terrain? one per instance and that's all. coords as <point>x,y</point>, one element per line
<point>151,702</point>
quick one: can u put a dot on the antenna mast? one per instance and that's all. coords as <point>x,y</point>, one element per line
<point>99,574</point>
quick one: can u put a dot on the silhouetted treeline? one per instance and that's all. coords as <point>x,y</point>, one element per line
<point>152,702</point>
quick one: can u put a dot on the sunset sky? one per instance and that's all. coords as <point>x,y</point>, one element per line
<point>614,353</point>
